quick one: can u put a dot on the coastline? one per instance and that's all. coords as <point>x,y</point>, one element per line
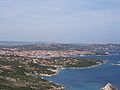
<point>62,68</point>
<point>101,55</point>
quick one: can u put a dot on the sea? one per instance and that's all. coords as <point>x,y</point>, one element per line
<point>91,78</point>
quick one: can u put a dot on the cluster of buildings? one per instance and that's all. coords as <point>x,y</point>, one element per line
<point>43,53</point>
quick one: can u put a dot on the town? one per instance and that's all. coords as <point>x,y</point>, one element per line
<point>44,53</point>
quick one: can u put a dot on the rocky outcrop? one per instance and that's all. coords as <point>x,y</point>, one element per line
<point>109,87</point>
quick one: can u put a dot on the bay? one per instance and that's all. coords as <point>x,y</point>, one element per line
<point>90,78</point>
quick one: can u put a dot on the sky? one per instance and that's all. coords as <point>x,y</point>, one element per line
<point>67,21</point>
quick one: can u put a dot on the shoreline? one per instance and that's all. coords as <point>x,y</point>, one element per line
<point>101,55</point>
<point>62,68</point>
<point>93,66</point>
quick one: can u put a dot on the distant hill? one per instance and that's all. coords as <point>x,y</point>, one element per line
<point>58,46</point>
<point>14,43</point>
<point>46,47</point>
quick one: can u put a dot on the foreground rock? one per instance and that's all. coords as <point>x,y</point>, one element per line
<point>109,87</point>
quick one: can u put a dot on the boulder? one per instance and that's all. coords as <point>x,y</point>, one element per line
<point>109,87</point>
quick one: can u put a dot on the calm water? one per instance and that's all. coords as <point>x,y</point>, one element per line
<point>91,78</point>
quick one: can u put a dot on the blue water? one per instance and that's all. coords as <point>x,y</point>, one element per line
<point>90,78</point>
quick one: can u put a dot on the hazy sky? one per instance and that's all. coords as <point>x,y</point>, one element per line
<point>80,21</point>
